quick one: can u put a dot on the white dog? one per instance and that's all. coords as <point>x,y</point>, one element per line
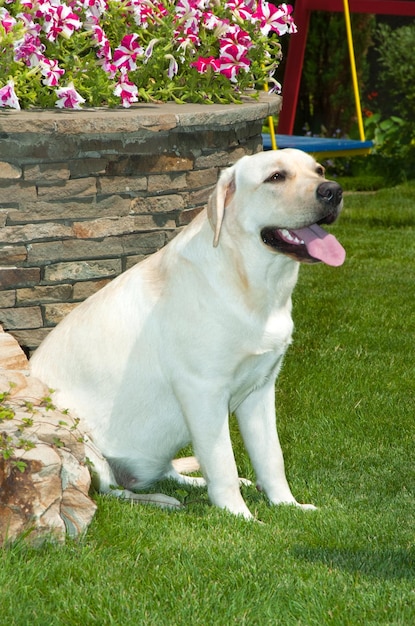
<point>161,355</point>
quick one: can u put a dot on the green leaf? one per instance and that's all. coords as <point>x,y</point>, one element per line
<point>20,465</point>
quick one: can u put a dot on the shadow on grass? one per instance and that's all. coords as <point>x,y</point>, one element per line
<point>398,564</point>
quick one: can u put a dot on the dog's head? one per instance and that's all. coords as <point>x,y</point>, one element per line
<point>281,197</point>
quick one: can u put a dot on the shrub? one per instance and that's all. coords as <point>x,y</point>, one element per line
<point>326,105</point>
<point>389,111</point>
<point>396,78</point>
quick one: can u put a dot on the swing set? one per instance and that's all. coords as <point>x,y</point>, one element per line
<point>322,146</point>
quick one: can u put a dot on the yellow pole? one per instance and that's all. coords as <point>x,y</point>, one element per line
<point>353,70</point>
<point>271,125</point>
<point>272,132</point>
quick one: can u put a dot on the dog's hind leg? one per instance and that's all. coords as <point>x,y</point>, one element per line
<point>104,481</point>
<point>158,499</point>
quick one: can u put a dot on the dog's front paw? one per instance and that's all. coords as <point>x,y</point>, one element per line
<point>293,502</point>
<point>306,507</point>
<point>245,481</point>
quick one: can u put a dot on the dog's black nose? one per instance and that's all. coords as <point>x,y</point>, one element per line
<point>330,192</point>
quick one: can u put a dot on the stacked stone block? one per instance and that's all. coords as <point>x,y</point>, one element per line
<point>85,195</point>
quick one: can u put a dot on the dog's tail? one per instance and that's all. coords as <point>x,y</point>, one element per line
<point>186,465</point>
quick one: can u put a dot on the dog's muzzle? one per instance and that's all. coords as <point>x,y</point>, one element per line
<point>330,193</point>
<point>311,243</point>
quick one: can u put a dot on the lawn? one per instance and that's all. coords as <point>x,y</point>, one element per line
<point>346,421</point>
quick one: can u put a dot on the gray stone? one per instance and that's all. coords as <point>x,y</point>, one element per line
<point>9,171</point>
<point>24,191</point>
<point>80,187</point>
<point>44,294</point>
<point>159,204</point>
<point>12,277</point>
<point>21,317</point>
<point>100,228</point>
<point>33,232</point>
<point>83,290</point>
<point>32,212</point>
<point>54,313</point>
<point>30,338</point>
<point>12,254</point>
<point>82,270</point>
<point>7,298</point>
<point>47,172</point>
<point>122,184</point>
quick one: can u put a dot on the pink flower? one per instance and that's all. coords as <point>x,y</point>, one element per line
<point>237,36</point>
<point>30,26</point>
<point>173,65</point>
<point>69,98</point>
<point>8,96</point>
<point>204,63</point>
<point>241,9</point>
<point>186,40</point>
<point>272,18</point>
<point>126,54</point>
<point>51,71</point>
<point>149,50</point>
<point>109,68</point>
<point>145,12</point>
<point>126,90</point>
<point>159,9</point>
<point>212,22</point>
<point>189,15</point>
<point>6,20</point>
<point>59,20</point>
<point>192,5</point>
<point>233,60</point>
<point>93,8</point>
<point>276,86</point>
<point>29,49</point>
<point>100,41</point>
<point>141,13</point>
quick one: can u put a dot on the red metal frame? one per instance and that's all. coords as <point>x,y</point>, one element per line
<point>296,50</point>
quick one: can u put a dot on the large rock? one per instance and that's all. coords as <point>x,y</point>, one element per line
<point>44,481</point>
<point>12,356</point>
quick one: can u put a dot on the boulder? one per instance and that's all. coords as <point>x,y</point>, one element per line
<point>44,479</point>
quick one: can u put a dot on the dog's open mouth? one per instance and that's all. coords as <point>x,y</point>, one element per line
<point>309,245</point>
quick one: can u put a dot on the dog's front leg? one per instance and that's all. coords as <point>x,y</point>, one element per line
<point>208,422</point>
<point>256,418</point>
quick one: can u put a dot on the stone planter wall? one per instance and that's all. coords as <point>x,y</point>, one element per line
<point>85,195</point>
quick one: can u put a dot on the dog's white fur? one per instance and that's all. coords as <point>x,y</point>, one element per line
<point>161,355</point>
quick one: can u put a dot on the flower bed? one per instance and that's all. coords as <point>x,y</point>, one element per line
<point>111,52</point>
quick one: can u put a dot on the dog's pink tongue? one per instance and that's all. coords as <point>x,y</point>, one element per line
<point>321,245</point>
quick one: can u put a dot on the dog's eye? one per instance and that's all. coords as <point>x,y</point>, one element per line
<point>277,177</point>
<point>320,171</point>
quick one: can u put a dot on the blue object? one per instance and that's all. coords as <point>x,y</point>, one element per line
<point>320,146</point>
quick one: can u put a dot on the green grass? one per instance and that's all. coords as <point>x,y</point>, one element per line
<point>346,421</point>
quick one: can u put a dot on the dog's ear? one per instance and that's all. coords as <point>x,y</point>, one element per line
<point>218,201</point>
